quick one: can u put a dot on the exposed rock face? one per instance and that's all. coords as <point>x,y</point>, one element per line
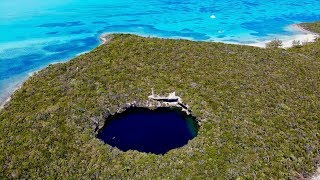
<point>106,38</point>
<point>154,102</point>
<point>171,100</point>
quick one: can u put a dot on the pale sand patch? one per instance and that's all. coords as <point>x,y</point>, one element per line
<point>288,40</point>
<point>8,97</point>
<point>316,176</point>
<point>105,38</point>
<point>303,37</point>
<point>4,102</point>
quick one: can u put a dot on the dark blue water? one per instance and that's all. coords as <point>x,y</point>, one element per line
<point>152,131</point>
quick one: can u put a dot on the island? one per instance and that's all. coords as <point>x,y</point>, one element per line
<point>258,108</point>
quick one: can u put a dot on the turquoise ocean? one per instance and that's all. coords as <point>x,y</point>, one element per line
<point>36,33</point>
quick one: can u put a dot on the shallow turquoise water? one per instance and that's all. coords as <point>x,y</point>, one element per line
<point>35,33</point>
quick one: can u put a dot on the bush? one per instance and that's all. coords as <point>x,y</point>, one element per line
<point>276,43</point>
<point>259,112</point>
<point>305,42</point>
<point>296,43</point>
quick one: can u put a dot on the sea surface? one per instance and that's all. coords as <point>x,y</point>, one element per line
<point>36,33</point>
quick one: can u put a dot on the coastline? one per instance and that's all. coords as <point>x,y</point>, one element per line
<point>302,29</point>
<point>4,103</point>
<point>305,36</point>
<point>106,38</point>
<point>6,99</point>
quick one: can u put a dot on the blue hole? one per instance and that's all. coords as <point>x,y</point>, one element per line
<point>151,131</point>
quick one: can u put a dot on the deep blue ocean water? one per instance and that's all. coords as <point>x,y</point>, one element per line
<point>152,131</point>
<point>35,33</point>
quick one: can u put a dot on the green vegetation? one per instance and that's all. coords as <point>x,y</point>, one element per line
<point>296,44</point>
<point>259,110</point>
<point>276,43</point>
<point>314,27</point>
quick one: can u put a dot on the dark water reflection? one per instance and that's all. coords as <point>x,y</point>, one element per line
<point>153,131</point>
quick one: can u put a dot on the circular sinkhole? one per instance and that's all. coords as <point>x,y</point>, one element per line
<point>151,131</point>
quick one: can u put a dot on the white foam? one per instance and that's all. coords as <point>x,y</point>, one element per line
<point>84,52</point>
<point>213,17</point>
<point>32,73</point>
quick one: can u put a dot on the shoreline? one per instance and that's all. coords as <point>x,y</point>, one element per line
<point>8,97</point>
<point>302,35</point>
<point>105,38</point>
<point>298,27</point>
<point>306,36</point>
